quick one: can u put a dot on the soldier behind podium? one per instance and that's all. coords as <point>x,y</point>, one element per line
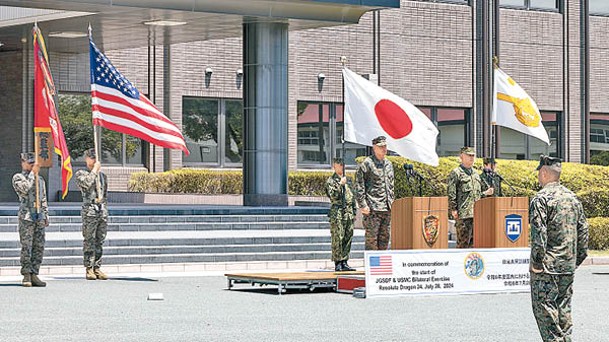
<point>464,188</point>
<point>94,214</point>
<point>559,244</point>
<point>342,215</point>
<point>374,186</point>
<point>32,220</point>
<point>490,178</point>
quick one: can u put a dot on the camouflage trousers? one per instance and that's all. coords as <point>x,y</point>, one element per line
<point>551,300</point>
<point>31,236</point>
<point>377,226</point>
<point>465,233</point>
<point>94,231</point>
<point>342,235</point>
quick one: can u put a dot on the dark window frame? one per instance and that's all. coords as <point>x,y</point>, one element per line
<point>221,134</point>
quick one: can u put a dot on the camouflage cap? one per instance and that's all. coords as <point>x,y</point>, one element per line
<point>91,153</point>
<point>380,141</point>
<point>29,157</point>
<point>548,161</point>
<point>489,161</point>
<point>468,150</point>
<point>337,160</point>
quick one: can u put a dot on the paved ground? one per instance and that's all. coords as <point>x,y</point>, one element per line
<point>200,309</point>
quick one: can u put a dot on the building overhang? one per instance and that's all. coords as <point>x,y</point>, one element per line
<point>120,24</point>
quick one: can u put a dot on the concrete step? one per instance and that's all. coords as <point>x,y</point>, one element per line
<point>133,227</point>
<point>173,238</point>
<point>13,220</point>
<point>185,249</point>
<point>185,258</point>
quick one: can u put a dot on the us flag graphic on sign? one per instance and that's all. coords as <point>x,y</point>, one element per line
<point>381,265</point>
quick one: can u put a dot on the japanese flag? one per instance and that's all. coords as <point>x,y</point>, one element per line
<point>371,111</point>
<point>515,109</point>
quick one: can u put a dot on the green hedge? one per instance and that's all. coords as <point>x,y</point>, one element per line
<point>219,182</point>
<point>589,182</point>
<point>599,233</point>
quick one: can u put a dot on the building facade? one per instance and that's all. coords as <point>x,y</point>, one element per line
<point>427,52</point>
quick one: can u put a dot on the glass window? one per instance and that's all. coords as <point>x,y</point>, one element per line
<point>313,133</point>
<point>233,136</point>
<point>598,6</point>
<point>599,139</point>
<point>449,1</point>
<point>516,145</point>
<point>514,3</point>
<point>213,129</point>
<point>200,128</point>
<point>117,148</point>
<point>532,4</point>
<point>544,4</point>
<point>451,124</point>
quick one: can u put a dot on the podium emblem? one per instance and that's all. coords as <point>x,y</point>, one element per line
<point>431,229</point>
<point>513,227</point>
<point>474,265</point>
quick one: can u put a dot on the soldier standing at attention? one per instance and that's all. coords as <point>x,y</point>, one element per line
<point>464,188</point>
<point>94,214</point>
<point>32,222</point>
<point>559,244</point>
<point>489,178</point>
<point>374,186</point>
<point>342,215</point>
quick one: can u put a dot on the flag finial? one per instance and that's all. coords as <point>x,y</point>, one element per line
<point>343,60</point>
<point>90,29</point>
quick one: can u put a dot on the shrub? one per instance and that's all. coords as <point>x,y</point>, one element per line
<point>588,181</point>
<point>599,233</point>
<point>595,201</point>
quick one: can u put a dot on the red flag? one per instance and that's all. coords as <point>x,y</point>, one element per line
<point>46,118</point>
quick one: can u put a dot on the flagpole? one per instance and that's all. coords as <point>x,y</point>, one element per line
<point>493,102</point>
<point>96,142</point>
<point>36,142</point>
<point>343,61</point>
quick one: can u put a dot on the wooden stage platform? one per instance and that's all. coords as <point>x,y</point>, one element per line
<point>291,280</point>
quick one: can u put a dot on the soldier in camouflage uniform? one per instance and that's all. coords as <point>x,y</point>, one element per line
<point>342,215</point>
<point>32,222</point>
<point>464,188</point>
<point>374,192</point>
<point>94,214</point>
<point>490,178</point>
<point>559,244</point>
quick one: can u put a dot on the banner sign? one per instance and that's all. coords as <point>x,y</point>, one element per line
<point>447,271</point>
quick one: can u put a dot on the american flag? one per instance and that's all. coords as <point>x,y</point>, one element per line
<point>381,265</point>
<point>119,106</point>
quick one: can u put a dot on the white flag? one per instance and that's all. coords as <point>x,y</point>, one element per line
<point>371,111</point>
<point>515,109</point>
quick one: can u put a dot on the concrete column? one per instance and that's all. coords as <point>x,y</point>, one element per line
<point>265,109</point>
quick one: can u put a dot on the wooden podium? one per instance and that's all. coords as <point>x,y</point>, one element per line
<point>501,222</point>
<point>419,223</point>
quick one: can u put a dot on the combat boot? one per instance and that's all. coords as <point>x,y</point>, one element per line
<point>27,280</point>
<point>99,274</point>
<point>90,275</point>
<point>346,267</point>
<point>37,282</point>
<point>338,266</point>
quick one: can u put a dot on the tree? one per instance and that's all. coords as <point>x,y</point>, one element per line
<point>601,158</point>
<point>75,116</point>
